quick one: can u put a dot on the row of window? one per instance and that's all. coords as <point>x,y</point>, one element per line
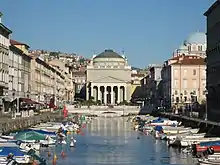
<point>16,86</point>
<point>3,57</point>
<point>184,99</point>
<point>185,72</point>
<point>194,83</point>
<point>195,48</point>
<point>185,92</point>
<point>4,76</point>
<point>4,41</point>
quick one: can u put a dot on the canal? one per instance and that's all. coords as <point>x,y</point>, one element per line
<point>108,141</point>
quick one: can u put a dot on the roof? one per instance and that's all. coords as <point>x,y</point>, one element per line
<point>196,38</point>
<point>19,51</point>
<point>5,28</point>
<point>108,54</point>
<point>13,42</point>
<point>189,60</point>
<point>214,5</point>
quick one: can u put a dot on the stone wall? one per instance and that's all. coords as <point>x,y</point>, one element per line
<point>8,125</point>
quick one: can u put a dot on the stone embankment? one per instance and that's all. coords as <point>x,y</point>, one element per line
<point>8,125</point>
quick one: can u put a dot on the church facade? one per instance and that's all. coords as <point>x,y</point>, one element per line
<point>108,78</point>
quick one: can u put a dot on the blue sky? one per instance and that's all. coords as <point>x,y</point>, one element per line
<point>147,30</point>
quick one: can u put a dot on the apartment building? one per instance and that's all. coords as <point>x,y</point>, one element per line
<point>184,80</point>
<point>154,84</point>
<point>46,81</point>
<point>213,61</point>
<point>19,72</point>
<point>4,52</point>
<point>66,71</point>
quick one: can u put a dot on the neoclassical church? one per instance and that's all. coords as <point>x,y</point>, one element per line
<point>194,45</point>
<point>108,78</point>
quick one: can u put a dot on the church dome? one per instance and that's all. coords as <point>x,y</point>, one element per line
<point>108,54</point>
<point>182,47</point>
<point>196,38</point>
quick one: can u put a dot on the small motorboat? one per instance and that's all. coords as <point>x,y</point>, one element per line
<point>72,142</point>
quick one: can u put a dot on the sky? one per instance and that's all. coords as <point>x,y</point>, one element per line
<point>148,31</point>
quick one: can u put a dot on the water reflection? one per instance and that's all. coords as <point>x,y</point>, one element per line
<point>112,141</point>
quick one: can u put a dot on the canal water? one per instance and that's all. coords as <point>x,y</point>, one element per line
<point>108,141</point>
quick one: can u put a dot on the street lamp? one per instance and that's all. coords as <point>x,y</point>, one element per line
<point>206,108</point>
<point>172,102</point>
<point>181,101</point>
<point>191,94</point>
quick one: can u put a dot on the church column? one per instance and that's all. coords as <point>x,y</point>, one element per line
<point>92,91</point>
<point>112,95</point>
<point>119,95</point>
<point>105,94</point>
<point>125,93</point>
<point>99,93</point>
<point>87,92</point>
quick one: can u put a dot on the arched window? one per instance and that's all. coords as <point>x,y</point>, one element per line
<point>199,48</point>
<point>189,48</point>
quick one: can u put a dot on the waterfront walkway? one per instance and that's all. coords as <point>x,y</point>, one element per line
<point>187,118</point>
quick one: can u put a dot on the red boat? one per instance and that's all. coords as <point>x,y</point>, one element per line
<point>204,148</point>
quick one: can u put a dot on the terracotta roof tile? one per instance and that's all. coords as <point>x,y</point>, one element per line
<point>189,60</point>
<point>13,42</point>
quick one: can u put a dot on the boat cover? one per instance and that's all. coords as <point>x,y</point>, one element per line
<point>5,151</point>
<point>159,128</point>
<point>30,135</point>
<point>41,132</point>
<point>212,143</point>
<point>158,120</point>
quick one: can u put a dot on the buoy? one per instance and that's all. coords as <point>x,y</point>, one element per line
<point>49,154</point>
<point>54,161</point>
<point>34,162</point>
<point>63,154</point>
<point>55,157</point>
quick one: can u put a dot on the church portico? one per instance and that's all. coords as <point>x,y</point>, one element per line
<point>107,94</point>
<point>108,78</point>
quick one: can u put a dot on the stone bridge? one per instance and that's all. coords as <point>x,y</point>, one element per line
<point>104,110</point>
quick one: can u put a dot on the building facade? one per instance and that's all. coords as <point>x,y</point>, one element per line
<point>46,81</point>
<point>184,80</point>
<point>4,71</point>
<point>19,73</point>
<point>79,79</point>
<point>108,78</point>
<point>213,61</point>
<point>154,85</point>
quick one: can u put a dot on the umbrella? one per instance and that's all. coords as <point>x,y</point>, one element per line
<point>30,135</point>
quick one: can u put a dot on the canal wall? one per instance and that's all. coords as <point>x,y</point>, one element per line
<point>8,125</point>
<point>205,126</point>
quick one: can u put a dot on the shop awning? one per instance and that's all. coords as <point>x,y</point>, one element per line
<point>29,101</point>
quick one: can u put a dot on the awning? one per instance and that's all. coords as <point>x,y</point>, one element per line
<point>28,101</point>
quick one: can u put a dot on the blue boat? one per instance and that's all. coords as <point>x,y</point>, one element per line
<point>5,151</point>
<point>209,144</point>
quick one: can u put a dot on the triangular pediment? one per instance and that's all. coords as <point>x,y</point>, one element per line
<point>108,79</point>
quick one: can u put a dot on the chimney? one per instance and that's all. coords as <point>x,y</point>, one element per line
<point>1,17</point>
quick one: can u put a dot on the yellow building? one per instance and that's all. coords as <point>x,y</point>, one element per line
<point>22,46</point>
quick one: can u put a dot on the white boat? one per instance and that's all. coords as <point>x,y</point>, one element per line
<point>189,141</point>
<point>186,135</point>
<point>177,130</point>
<point>164,123</point>
<point>208,162</point>
<point>28,146</point>
<point>7,137</point>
